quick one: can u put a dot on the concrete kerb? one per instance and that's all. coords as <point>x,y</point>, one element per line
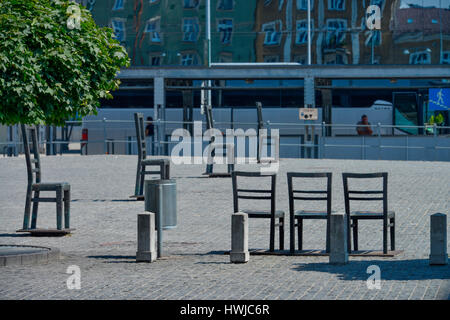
<point>46,255</point>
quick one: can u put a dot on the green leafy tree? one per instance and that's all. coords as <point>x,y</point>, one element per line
<point>55,62</point>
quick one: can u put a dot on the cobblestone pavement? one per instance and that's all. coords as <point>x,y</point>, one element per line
<point>195,266</point>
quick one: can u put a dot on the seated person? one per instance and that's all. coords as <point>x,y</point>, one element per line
<point>362,129</point>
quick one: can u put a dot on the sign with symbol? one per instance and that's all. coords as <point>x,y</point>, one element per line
<point>308,113</point>
<point>439,99</point>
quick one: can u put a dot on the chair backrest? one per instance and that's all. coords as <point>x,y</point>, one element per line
<point>140,135</point>
<point>358,195</point>
<point>309,195</point>
<point>258,194</point>
<point>33,164</point>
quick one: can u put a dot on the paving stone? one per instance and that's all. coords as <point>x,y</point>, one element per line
<point>195,266</point>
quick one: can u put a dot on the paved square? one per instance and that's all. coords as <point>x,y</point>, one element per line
<point>195,266</point>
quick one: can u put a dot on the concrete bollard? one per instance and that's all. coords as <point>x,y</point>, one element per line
<point>438,239</point>
<point>338,239</point>
<point>239,238</point>
<point>146,238</point>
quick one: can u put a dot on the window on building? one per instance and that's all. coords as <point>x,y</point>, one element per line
<point>153,1</point>
<point>273,33</point>
<point>335,32</point>
<point>302,31</point>
<point>226,57</point>
<point>379,3</point>
<point>118,4</point>
<point>300,59</point>
<point>303,4</point>
<point>190,4</point>
<point>189,59</point>
<point>225,4</point>
<point>336,58</point>
<point>155,60</point>
<point>225,27</point>
<point>118,27</point>
<point>375,36</point>
<point>422,57</point>
<point>267,2</point>
<point>445,59</point>
<point>190,29</point>
<point>154,28</point>
<point>336,5</point>
<point>272,59</point>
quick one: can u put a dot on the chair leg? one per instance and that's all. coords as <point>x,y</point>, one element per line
<point>392,232</point>
<point>292,234</point>
<point>281,231</point>
<point>300,233</point>
<point>141,181</point>
<point>349,237</point>
<point>355,235</point>
<point>35,210</point>
<point>26,214</point>
<point>168,171</point>
<point>328,237</point>
<point>59,210</point>
<point>67,209</point>
<point>272,235</point>
<point>385,230</point>
<point>138,177</point>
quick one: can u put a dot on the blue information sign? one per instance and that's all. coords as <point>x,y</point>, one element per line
<point>439,99</point>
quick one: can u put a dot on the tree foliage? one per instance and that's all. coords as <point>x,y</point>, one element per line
<point>55,62</point>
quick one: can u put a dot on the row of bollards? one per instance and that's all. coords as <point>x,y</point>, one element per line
<point>338,239</point>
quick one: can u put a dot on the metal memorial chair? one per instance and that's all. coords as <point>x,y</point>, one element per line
<point>260,194</point>
<point>308,195</point>
<point>387,216</point>
<point>36,186</point>
<point>143,162</point>
<point>227,150</point>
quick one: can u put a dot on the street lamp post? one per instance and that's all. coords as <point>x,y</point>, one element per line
<point>309,32</point>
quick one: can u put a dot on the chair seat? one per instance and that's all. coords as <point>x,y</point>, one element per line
<point>50,186</point>
<point>370,215</point>
<point>311,214</point>
<point>263,213</point>
<point>154,162</point>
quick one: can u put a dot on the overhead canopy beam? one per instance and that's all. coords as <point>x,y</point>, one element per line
<point>291,72</point>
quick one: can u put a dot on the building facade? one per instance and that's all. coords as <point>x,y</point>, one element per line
<point>172,32</point>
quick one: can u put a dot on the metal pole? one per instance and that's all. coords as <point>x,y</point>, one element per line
<point>379,140</point>
<point>159,224</point>
<point>309,32</point>
<point>208,31</point>
<point>407,148</point>
<point>372,49</point>
<point>321,140</point>
<point>104,136</point>
<point>435,140</point>
<point>440,25</point>
<point>363,151</point>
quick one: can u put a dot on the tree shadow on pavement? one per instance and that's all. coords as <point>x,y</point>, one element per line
<point>401,270</point>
